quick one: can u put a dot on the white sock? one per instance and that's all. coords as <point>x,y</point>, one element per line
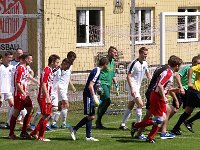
<point>138,112</point>
<point>24,112</point>
<point>55,118</point>
<point>36,118</point>
<point>126,116</point>
<point>64,115</point>
<point>20,116</point>
<point>10,112</point>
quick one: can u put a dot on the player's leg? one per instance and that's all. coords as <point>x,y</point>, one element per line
<point>127,114</point>
<point>21,116</point>
<point>138,111</point>
<point>55,112</point>
<point>103,106</point>
<point>9,98</point>
<point>29,107</point>
<point>64,112</point>
<point>13,123</point>
<point>35,118</point>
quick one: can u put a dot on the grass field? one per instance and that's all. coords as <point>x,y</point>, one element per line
<point>110,139</point>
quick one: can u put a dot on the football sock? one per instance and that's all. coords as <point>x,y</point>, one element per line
<point>43,124</point>
<point>81,123</point>
<point>102,109</point>
<point>153,132</point>
<point>12,125</point>
<point>26,121</point>
<point>126,116</point>
<point>55,117</point>
<point>193,118</point>
<point>182,118</point>
<point>144,123</point>
<point>64,115</point>
<point>88,129</point>
<point>138,114</point>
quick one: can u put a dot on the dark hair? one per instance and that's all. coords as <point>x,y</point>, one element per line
<point>103,61</point>
<point>195,58</point>
<point>24,56</point>
<point>111,48</point>
<point>53,58</point>
<point>67,61</point>
<point>71,54</point>
<point>174,61</point>
<point>8,53</point>
<point>142,49</point>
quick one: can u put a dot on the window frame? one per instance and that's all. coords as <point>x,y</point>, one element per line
<point>88,44</point>
<point>140,41</point>
<point>186,39</point>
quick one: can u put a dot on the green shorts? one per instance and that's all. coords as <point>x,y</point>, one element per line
<point>106,90</point>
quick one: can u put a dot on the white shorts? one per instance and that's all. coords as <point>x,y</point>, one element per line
<point>6,96</point>
<point>61,95</point>
<point>131,98</point>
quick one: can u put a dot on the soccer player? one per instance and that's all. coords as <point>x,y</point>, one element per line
<point>90,99</point>
<point>136,70</point>
<point>44,97</point>
<point>63,82</point>
<point>6,84</point>
<point>59,93</point>
<point>106,78</point>
<point>192,98</point>
<point>158,99</point>
<point>21,97</point>
<point>164,134</point>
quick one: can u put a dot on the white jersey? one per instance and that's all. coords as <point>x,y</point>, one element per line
<point>137,70</point>
<point>6,78</point>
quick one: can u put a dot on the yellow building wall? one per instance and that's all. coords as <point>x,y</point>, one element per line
<point>60,30</point>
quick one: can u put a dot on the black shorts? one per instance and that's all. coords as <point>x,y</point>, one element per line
<point>148,94</point>
<point>193,98</point>
<point>181,99</point>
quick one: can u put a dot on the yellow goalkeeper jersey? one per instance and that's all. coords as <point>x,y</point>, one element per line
<point>196,70</point>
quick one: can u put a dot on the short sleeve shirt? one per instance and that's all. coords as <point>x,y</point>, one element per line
<point>196,70</point>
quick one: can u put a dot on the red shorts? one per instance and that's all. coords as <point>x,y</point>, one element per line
<point>20,103</point>
<point>45,108</point>
<point>157,104</point>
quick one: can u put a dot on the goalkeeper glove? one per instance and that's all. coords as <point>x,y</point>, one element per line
<point>96,100</point>
<point>117,89</point>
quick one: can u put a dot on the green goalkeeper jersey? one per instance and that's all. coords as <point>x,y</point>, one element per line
<point>184,76</point>
<point>107,75</point>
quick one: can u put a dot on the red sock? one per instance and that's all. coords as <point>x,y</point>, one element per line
<point>43,125</point>
<point>37,129</point>
<point>144,123</point>
<point>153,132</point>
<point>12,125</point>
<point>26,121</point>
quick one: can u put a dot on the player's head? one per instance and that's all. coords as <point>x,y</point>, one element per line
<point>196,60</point>
<point>143,52</point>
<point>30,59</point>
<point>18,53</point>
<point>103,63</point>
<point>175,62</point>
<point>24,59</point>
<point>66,63</point>
<point>53,61</point>
<point>71,56</point>
<point>1,59</point>
<point>112,52</point>
<point>8,56</point>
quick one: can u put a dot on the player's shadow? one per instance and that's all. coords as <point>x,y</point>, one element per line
<point>60,139</point>
<point>129,141</point>
<point>107,128</point>
<point>18,138</point>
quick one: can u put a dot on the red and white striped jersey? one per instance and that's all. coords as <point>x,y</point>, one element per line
<point>165,79</point>
<point>21,76</point>
<point>46,77</point>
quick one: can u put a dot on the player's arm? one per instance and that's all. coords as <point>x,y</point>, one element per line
<point>174,97</point>
<point>20,89</point>
<point>18,81</point>
<point>178,79</point>
<point>44,89</point>
<point>72,85</point>
<point>130,83</point>
<point>190,71</point>
<point>33,79</point>
<point>149,76</point>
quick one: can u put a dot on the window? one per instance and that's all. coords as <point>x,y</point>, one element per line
<point>89,27</point>
<point>187,26</point>
<point>143,26</point>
